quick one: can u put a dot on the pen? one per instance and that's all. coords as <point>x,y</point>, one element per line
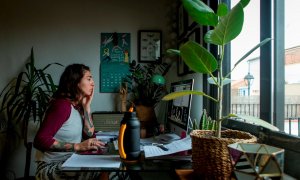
<point>161,146</point>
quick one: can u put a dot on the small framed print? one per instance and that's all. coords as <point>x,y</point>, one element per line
<point>150,45</point>
<point>181,66</point>
<point>195,35</point>
<point>182,20</point>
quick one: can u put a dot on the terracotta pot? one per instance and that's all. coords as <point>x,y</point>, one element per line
<point>210,155</point>
<point>148,120</point>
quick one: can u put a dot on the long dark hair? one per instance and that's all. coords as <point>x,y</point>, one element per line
<point>68,83</point>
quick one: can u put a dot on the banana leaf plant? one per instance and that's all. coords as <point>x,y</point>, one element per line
<point>225,25</point>
<point>26,97</point>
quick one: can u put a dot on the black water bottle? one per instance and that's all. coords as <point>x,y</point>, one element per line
<point>129,137</point>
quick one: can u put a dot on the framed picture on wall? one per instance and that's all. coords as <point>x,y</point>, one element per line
<point>150,45</point>
<point>182,20</point>
<point>181,66</point>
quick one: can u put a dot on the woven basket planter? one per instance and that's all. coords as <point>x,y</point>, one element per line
<point>210,155</point>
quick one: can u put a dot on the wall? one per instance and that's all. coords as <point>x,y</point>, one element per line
<point>69,32</point>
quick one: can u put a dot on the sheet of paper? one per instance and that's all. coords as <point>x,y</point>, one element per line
<point>174,147</point>
<point>162,138</point>
<point>109,161</point>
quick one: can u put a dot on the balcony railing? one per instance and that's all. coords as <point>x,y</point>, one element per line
<point>291,117</point>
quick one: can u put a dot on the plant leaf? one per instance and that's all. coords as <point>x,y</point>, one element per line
<point>178,94</point>
<point>244,2</point>
<point>252,50</point>
<point>225,81</point>
<point>257,121</point>
<point>198,58</point>
<point>173,52</point>
<point>229,27</point>
<point>222,9</point>
<point>200,12</point>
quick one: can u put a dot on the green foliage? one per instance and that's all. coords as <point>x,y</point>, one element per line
<point>226,25</point>
<point>207,123</point>
<point>26,96</point>
<point>144,90</point>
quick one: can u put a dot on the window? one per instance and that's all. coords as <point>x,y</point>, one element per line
<point>258,93</point>
<point>292,65</point>
<point>245,86</point>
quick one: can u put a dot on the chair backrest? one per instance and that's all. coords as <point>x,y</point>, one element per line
<point>107,121</point>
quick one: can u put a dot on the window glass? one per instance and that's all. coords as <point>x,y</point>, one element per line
<point>245,88</point>
<point>292,66</point>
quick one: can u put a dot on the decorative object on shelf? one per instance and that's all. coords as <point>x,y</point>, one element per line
<point>146,85</point>
<point>225,25</point>
<point>150,45</point>
<point>115,58</point>
<point>256,161</point>
<point>123,96</point>
<point>210,154</point>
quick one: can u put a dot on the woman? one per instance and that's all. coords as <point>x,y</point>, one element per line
<point>67,126</point>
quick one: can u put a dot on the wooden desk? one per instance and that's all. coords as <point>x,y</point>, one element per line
<point>185,174</point>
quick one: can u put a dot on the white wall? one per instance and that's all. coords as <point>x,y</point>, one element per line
<point>68,32</point>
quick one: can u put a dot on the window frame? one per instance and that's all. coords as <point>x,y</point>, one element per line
<point>271,72</point>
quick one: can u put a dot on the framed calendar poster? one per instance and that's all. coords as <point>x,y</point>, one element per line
<point>114,58</point>
<point>112,75</point>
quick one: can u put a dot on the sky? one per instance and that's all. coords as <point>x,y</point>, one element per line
<point>249,38</point>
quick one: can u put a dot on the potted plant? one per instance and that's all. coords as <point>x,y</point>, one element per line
<point>147,86</point>
<point>24,99</point>
<point>226,25</point>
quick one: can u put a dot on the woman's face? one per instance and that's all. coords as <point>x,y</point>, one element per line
<point>86,85</point>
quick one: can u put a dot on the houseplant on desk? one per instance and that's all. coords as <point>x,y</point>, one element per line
<point>147,86</point>
<point>226,25</point>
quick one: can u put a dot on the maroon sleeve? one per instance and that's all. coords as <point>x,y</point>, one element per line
<point>57,113</point>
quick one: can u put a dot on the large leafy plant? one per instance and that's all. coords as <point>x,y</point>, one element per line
<point>146,82</point>
<point>226,25</point>
<point>26,97</point>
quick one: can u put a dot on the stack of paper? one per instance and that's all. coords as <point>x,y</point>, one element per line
<point>174,147</point>
<point>162,138</point>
